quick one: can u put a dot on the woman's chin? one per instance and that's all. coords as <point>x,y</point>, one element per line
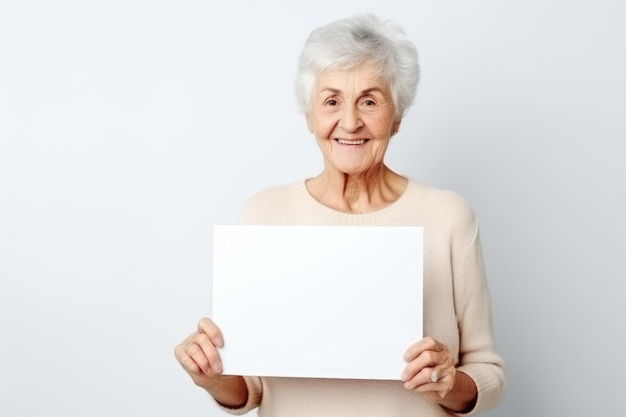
<point>355,169</point>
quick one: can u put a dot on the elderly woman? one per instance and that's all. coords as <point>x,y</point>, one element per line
<point>356,79</point>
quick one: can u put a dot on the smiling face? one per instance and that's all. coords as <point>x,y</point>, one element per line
<point>353,118</point>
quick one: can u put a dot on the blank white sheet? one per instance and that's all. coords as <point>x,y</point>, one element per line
<point>317,301</point>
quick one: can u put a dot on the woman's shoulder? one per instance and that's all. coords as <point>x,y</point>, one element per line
<point>441,203</point>
<point>268,204</point>
<point>438,196</point>
<point>276,193</point>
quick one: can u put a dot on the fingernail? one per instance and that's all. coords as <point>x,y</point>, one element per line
<point>407,385</point>
<point>217,367</point>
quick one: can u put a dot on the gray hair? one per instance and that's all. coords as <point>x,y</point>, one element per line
<point>349,43</point>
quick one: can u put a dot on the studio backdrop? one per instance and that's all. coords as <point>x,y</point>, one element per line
<point>128,129</point>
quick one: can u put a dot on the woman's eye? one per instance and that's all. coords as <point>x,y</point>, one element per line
<point>331,102</point>
<point>369,102</point>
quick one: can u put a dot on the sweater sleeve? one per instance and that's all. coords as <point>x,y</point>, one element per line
<point>478,356</point>
<point>255,394</point>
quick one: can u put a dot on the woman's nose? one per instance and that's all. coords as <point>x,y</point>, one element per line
<point>350,119</point>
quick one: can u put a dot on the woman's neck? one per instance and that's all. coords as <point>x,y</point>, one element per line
<point>363,193</point>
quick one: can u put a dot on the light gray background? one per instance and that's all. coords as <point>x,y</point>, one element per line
<point>128,129</point>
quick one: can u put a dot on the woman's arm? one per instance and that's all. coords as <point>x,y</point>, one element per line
<point>473,379</point>
<point>462,396</point>
<point>228,390</point>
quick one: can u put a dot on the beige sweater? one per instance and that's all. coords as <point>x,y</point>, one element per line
<point>457,308</point>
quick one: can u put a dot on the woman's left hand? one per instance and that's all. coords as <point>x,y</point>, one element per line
<point>430,369</point>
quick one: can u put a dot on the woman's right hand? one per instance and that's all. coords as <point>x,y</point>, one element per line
<point>199,357</point>
<point>198,353</point>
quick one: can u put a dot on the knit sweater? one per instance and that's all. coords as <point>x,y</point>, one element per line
<point>457,308</point>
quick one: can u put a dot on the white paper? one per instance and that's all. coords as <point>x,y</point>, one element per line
<point>317,301</point>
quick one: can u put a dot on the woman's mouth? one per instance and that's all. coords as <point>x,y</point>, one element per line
<point>351,141</point>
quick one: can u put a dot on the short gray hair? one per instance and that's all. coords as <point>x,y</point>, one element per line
<point>348,43</point>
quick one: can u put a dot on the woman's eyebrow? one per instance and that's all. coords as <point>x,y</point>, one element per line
<point>362,93</point>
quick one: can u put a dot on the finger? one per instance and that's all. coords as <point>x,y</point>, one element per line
<point>440,387</point>
<point>185,360</point>
<point>210,353</point>
<point>427,358</point>
<point>198,354</point>
<point>435,375</point>
<point>420,379</point>
<point>204,354</point>
<point>427,343</point>
<point>188,364</point>
<point>209,328</point>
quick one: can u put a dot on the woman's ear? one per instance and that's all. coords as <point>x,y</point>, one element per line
<point>396,127</point>
<point>308,123</point>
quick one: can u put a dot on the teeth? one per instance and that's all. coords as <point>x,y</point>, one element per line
<point>351,142</point>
